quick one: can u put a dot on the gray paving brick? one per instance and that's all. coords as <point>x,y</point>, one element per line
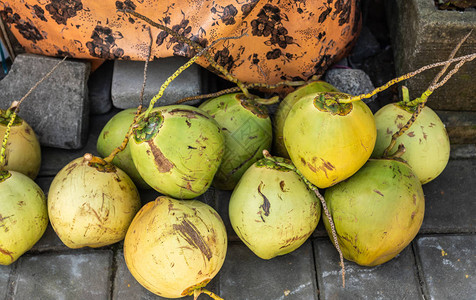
<point>75,275</point>
<point>58,110</point>
<point>222,203</point>
<point>449,266</point>
<point>463,151</point>
<point>99,88</point>
<point>4,276</point>
<point>246,276</point>
<point>126,287</point>
<point>54,159</point>
<point>129,75</point>
<point>395,279</point>
<point>448,204</point>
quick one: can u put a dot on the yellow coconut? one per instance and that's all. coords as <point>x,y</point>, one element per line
<point>285,107</point>
<point>427,146</point>
<point>23,153</point>
<point>327,141</point>
<point>23,215</point>
<point>90,204</point>
<point>175,247</point>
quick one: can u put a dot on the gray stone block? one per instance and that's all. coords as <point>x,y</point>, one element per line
<point>76,275</point>
<point>395,279</point>
<point>99,87</point>
<point>58,110</point>
<point>5,272</point>
<point>448,266</point>
<point>449,207</point>
<point>353,82</point>
<point>129,75</point>
<point>463,151</point>
<point>460,125</point>
<point>54,159</point>
<point>246,276</point>
<point>222,204</point>
<point>421,35</point>
<point>126,286</point>
<point>350,81</point>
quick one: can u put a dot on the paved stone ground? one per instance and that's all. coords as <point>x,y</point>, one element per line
<point>440,263</point>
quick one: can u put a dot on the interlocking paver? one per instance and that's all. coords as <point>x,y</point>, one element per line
<point>54,159</point>
<point>129,75</point>
<point>395,279</point>
<point>448,266</point>
<point>222,204</point>
<point>58,110</point>
<point>99,88</point>
<point>448,205</point>
<point>246,276</point>
<point>75,275</point>
<point>4,276</point>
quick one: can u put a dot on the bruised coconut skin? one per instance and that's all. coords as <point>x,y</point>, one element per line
<point>23,152</point>
<point>112,136</point>
<point>272,210</point>
<point>329,146</point>
<point>178,153</point>
<point>247,130</point>
<point>377,212</point>
<point>427,146</point>
<point>23,216</point>
<point>173,247</point>
<point>91,208</point>
<point>285,107</point>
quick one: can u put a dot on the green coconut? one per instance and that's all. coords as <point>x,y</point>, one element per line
<point>178,150</point>
<point>272,210</point>
<point>427,146</point>
<point>285,107</point>
<point>23,152</point>
<point>247,129</point>
<point>112,136</point>
<point>91,204</point>
<point>175,247</point>
<point>23,215</point>
<point>377,212</point>
<point>327,141</point>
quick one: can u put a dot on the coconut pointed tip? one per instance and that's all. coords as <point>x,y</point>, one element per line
<point>266,153</point>
<point>88,156</point>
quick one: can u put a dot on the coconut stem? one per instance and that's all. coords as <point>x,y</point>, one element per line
<point>407,76</point>
<point>123,146</point>
<point>3,151</point>
<point>312,187</point>
<point>212,295</point>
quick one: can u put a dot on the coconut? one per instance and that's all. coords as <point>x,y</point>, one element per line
<point>112,136</point>
<point>247,129</point>
<point>377,212</point>
<point>23,153</point>
<point>91,204</point>
<point>427,146</point>
<point>24,216</point>
<point>175,247</point>
<point>272,210</point>
<point>328,141</point>
<point>177,150</point>
<point>285,107</point>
